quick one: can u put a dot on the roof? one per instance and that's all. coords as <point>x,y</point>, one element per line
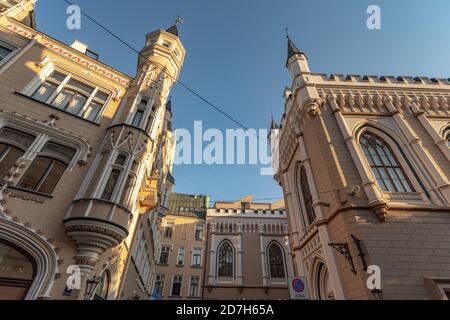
<point>173,30</point>
<point>188,205</point>
<point>292,50</point>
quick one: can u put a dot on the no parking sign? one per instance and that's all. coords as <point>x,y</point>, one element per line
<point>298,288</point>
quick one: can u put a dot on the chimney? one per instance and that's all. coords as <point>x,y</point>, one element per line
<point>79,46</point>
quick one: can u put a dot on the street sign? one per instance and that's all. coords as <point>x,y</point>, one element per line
<point>298,288</point>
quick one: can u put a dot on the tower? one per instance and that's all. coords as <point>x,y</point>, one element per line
<point>122,182</point>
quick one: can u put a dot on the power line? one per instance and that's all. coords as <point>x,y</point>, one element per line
<point>189,89</point>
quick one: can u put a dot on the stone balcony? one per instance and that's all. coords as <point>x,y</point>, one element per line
<point>96,226</point>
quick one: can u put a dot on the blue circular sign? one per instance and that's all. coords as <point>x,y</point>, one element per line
<point>298,285</point>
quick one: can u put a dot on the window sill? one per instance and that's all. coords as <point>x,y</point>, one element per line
<point>196,267</point>
<point>163,264</point>
<point>175,297</point>
<point>55,109</point>
<point>29,195</point>
<point>180,265</point>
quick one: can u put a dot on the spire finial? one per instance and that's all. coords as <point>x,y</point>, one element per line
<point>178,20</point>
<point>287,33</point>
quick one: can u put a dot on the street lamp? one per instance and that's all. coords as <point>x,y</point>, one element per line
<point>378,294</point>
<point>91,285</point>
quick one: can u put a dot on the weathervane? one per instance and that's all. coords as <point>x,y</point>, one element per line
<point>287,32</point>
<point>179,21</point>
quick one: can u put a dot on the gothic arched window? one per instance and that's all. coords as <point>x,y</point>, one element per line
<point>225,260</point>
<point>304,194</point>
<point>276,261</point>
<point>384,165</point>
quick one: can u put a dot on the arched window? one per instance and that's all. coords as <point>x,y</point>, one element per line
<point>225,260</point>
<point>13,144</point>
<point>385,166</point>
<point>17,272</point>
<point>276,261</point>
<point>47,169</point>
<point>117,168</point>
<point>324,287</point>
<point>447,136</point>
<point>102,291</point>
<point>304,194</point>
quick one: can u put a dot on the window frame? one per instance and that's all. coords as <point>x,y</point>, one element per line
<point>395,164</point>
<point>283,257</point>
<point>305,201</point>
<point>182,252</point>
<point>9,46</point>
<point>199,238</point>
<point>233,263</point>
<point>195,283</point>
<point>179,281</point>
<point>161,251</point>
<point>54,158</point>
<point>162,281</point>
<point>45,77</point>
<point>194,255</point>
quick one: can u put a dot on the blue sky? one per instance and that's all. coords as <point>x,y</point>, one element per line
<point>236,52</point>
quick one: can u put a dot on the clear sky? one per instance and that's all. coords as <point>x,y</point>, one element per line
<point>236,54</point>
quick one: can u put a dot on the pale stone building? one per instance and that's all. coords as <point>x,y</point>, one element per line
<point>249,255</point>
<point>180,265</point>
<point>85,159</point>
<point>364,166</point>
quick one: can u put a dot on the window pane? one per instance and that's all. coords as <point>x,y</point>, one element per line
<point>60,150</point>
<point>84,87</point>
<point>127,189</point>
<point>225,261</point>
<point>63,98</point>
<point>44,92</point>
<point>58,76</point>
<point>4,52</point>
<point>137,118</point>
<point>111,184</point>
<point>35,173</point>
<point>52,178</point>
<point>384,165</point>
<point>76,104</point>
<point>19,137</point>
<point>14,264</point>
<point>92,111</point>
<point>8,157</point>
<point>102,95</point>
<point>276,262</point>
<point>121,159</point>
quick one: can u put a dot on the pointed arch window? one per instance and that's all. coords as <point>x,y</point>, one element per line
<point>276,261</point>
<point>385,166</point>
<point>112,183</point>
<point>225,260</point>
<point>305,195</point>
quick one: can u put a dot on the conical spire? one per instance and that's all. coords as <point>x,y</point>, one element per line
<point>274,125</point>
<point>292,49</point>
<point>173,30</point>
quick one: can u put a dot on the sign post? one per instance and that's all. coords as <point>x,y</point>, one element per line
<point>298,288</point>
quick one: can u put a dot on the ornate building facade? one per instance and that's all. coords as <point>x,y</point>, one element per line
<point>364,167</point>
<point>248,251</point>
<point>85,162</point>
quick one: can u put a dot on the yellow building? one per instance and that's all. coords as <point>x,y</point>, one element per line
<point>85,159</point>
<point>364,166</point>
<point>180,257</point>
